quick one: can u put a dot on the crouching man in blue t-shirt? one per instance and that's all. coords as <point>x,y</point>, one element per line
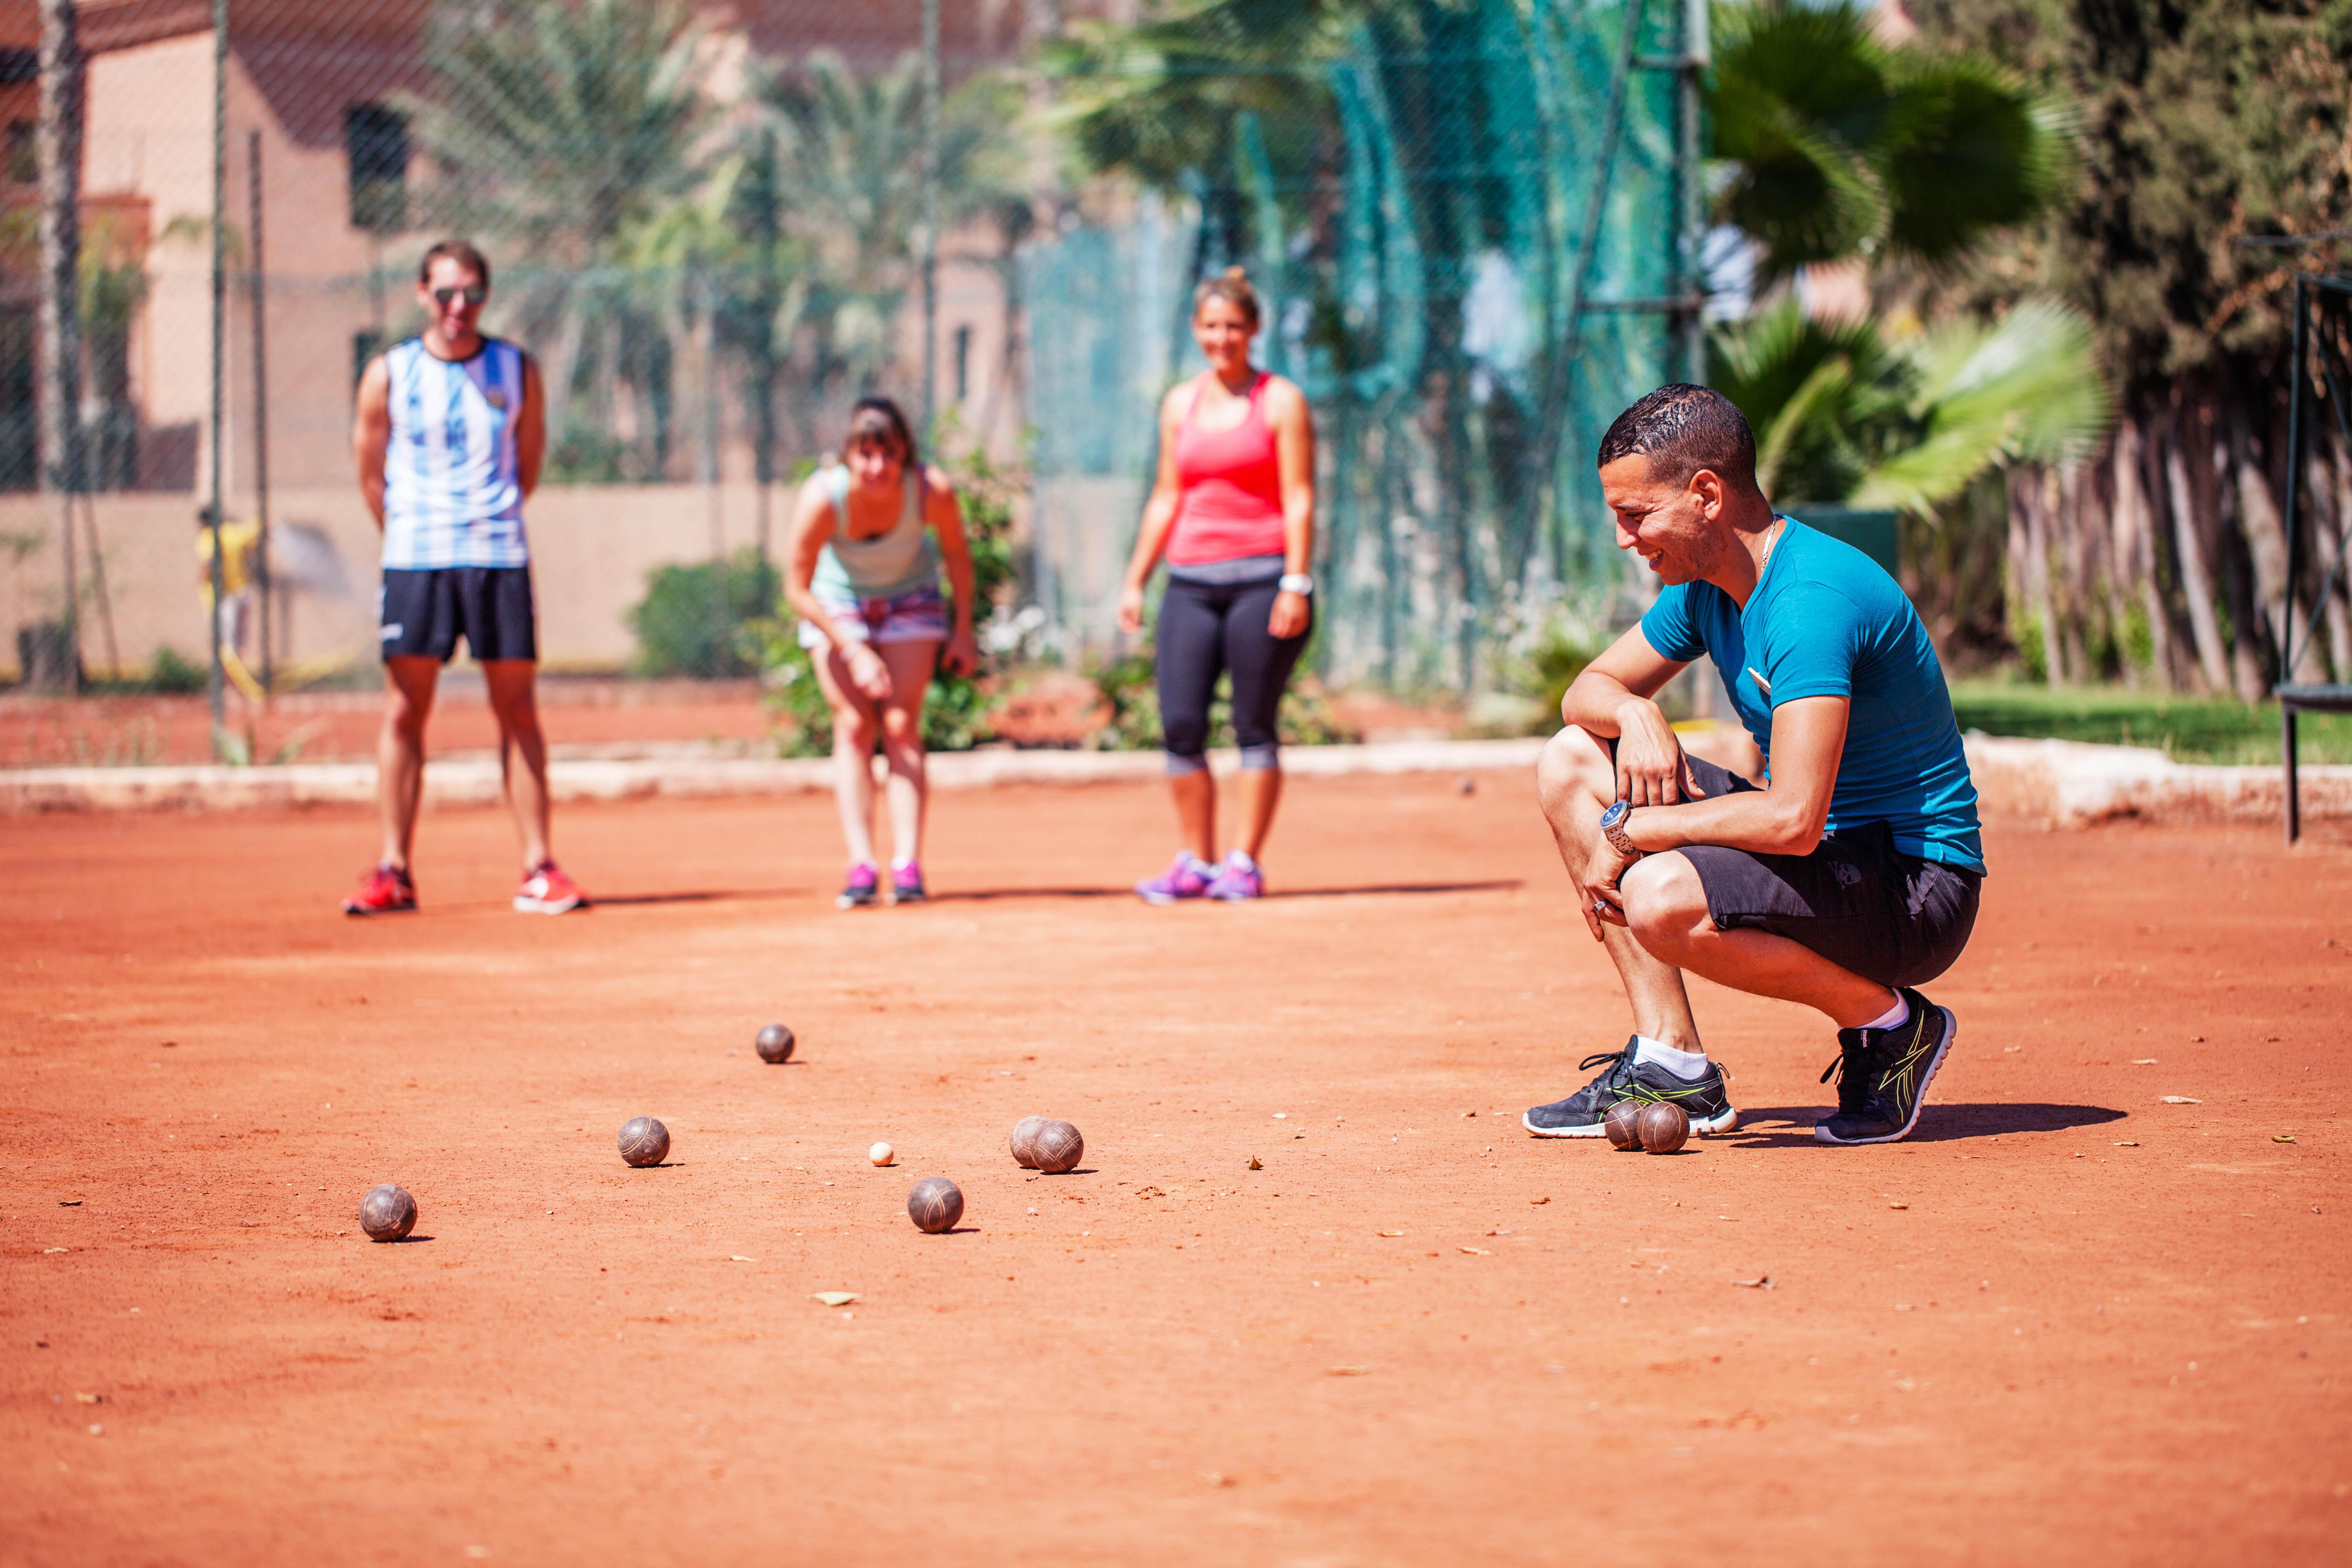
<point>1847,879</point>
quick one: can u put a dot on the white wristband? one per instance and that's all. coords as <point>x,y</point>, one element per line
<point>1297,582</point>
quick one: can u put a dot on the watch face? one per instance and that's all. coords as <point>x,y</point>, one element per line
<point>1615,813</point>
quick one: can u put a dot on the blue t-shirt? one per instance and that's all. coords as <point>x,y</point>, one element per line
<point>1826,621</point>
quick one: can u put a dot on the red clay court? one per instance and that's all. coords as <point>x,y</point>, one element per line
<point>2067,1321</point>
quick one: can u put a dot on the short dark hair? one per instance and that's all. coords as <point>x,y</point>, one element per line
<point>460,251</point>
<point>1681,429</point>
<point>879,422</point>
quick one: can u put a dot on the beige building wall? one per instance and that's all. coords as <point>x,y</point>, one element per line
<point>592,547</point>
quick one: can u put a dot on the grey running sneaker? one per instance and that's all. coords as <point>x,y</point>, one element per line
<point>1705,1099</point>
<point>1884,1074</point>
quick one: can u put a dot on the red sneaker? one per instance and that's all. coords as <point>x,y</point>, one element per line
<point>548,892</point>
<point>387,891</point>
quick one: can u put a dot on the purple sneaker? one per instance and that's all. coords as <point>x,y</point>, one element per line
<point>1187,876</point>
<point>1238,879</point>
<point>858,892</point>
<point>907,883</point>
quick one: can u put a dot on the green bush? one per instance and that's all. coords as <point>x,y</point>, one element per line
<point>693,621</point>
<point>167,671</point>
<point>1556,663</point>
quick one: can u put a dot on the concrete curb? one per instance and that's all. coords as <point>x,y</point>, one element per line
<point>473,780</point>
<point>2059,783</point>
<point>2063,784</point>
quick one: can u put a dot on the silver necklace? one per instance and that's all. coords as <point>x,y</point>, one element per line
<point>1770,544</point>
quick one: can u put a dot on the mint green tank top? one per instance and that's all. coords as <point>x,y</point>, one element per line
<point>885,566</point>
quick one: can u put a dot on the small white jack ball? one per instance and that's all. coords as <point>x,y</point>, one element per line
<point>882,1154</point>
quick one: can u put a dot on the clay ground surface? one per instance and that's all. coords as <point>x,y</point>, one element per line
<point>2067,1321</point>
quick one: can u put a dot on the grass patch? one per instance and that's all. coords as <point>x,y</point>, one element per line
<point>2186,729</point>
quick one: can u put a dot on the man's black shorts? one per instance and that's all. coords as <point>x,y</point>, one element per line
<point>425,613</point>
<point>1857,900</point>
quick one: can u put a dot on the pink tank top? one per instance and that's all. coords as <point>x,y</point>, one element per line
<point>1229,501</point>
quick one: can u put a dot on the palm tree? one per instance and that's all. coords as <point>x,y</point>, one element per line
<point>848,162</point>
<point>1841,146</point>
<point>560,125</point>
<point>1843,416</point>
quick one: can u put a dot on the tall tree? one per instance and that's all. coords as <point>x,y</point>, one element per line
<point>2204,124</point>
<point>562,125</point>
<point>59,139</point>
<point>1839,145</point>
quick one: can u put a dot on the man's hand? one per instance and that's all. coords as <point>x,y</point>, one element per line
<point>1651,767</point>
<point>1596,886</point>
<point>867,672</point>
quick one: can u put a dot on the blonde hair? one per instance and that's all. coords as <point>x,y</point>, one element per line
<point>1231,286</point>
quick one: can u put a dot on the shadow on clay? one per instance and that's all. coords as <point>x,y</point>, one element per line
<point>1939,1123</point>
<point>984,895</point>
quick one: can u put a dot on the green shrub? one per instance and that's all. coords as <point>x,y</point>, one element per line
<point>167,671</point>
<point>693,621</point>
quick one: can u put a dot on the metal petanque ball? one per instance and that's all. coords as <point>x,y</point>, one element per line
<point>644,1140</point>
<point>1664,1127</point>
<point>1024,1137</point>
<point>387,1213</point>
<point>1624,1124</point>
<point>775,1044</point>
<point>1057,1147</point>
<point>935,1204</point>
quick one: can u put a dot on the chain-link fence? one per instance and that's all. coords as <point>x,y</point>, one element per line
<point>1472,220</point>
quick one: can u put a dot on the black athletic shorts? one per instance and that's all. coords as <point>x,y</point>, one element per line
<point>425,613</point>
<point>1857,900</point>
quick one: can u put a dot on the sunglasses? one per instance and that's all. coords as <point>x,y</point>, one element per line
<point>473,296</point>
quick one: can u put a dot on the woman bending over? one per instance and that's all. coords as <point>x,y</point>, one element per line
<point>865,579</point>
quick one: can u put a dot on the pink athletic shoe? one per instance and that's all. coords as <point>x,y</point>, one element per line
<point>1187,876</point>
<point>1238,879</point>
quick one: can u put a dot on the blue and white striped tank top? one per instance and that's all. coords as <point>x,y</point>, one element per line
<point>452,488</point>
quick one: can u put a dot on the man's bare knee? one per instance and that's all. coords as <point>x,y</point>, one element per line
<point>1663,900</point>
<point>1573,770</point>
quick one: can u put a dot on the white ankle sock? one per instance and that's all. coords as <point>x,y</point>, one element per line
<point>901,862</point>
<point>1894,1017</point>
<point>1681,1064</point>
<point>1241,858</point>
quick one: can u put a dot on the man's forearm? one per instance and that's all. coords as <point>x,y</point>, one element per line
<point>1752,820</point>
<point>1591,703</point>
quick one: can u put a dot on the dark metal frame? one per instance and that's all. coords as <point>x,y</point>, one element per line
<point>2317,296</point>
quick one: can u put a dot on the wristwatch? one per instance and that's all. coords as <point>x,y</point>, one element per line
<point>1612,827</point>
<point>1295,583</point>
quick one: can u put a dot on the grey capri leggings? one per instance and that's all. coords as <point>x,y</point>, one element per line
<point>1208,628</point>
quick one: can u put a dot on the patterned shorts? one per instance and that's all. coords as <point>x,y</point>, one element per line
<point>920,614</point>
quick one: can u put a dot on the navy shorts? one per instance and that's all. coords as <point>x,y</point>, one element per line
<point>425,613</point>
<point>1857,900</point>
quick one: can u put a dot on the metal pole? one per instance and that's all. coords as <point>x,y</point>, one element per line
<point>260,403</point>
<point>60,133</point>
<point>931,209</point>
<point>1688,156</point>
<point>2296,367</point>
<point>220,311</point>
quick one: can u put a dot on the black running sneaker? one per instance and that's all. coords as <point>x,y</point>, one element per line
<point>1582,1114</point>
<point>1884,1074</point>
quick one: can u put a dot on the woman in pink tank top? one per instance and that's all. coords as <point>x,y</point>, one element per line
<point>1232,511</point>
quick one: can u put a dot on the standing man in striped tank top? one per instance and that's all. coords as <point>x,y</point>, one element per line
<point>449,434</point>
